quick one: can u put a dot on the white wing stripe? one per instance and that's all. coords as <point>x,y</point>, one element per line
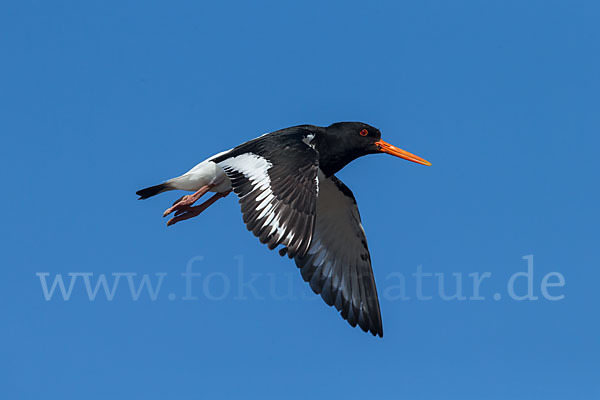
<point>252,166</point>
<point>256,169</point>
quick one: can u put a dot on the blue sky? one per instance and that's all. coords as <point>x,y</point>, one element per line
<point>99,99</point>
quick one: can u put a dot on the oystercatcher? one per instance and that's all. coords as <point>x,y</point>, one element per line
<point>290,196</point>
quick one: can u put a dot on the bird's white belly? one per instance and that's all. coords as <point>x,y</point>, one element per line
<point>207,173</point>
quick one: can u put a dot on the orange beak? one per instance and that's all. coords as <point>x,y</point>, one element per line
<point>393,150</point>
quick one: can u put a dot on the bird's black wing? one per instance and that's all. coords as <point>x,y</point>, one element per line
<point>338,264</point>
<point>275,177</point>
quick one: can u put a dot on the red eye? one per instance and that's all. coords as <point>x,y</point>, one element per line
<point>364,132</point>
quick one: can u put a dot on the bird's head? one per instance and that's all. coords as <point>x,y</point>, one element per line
<point>356,139</point>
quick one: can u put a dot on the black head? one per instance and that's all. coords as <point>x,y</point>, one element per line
<point>354,136</point>
<point>344,142</point>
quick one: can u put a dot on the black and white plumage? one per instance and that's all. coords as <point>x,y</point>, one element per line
<point>338,264</point>
<point>290,197</point>
<point>275,177</point>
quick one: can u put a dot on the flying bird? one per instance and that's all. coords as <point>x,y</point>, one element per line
<point>290,197</point>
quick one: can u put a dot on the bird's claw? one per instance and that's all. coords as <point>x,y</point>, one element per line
<point>186,211</point>
<point>180,205</point>
<point>187,201</point>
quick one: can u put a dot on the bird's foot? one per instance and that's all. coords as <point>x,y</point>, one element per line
<point>187,201</point>
<point>187,212</point>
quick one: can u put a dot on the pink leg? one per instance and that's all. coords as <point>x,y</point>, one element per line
<point>188,200</point>
<point>191,212</point>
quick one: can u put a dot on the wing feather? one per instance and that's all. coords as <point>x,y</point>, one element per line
<point>275,178</point>
<point>338,264</point>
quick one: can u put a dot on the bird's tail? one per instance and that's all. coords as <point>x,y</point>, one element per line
<point>154,190</point>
